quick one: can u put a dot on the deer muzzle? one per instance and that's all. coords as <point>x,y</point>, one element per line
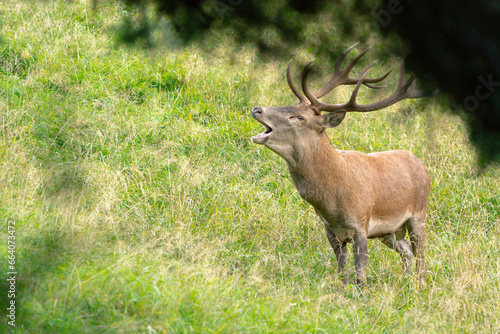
<point>261,138</point>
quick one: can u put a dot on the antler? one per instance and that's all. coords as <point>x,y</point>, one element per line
<point>294,89</point>
<point>404,90</point>
<point>342,77</point>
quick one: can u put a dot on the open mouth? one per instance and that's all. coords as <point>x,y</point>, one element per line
<point>261,138</point>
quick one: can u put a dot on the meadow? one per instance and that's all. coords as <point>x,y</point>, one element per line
<point>141,205</point>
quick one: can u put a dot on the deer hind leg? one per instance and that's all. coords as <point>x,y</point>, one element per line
<point>402,246</point>
<point>360,248</point>
<point>416,230</point>
<point>340,249</point>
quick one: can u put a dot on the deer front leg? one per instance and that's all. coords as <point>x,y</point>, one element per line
<point>340,249</point>
<point>360,250</point>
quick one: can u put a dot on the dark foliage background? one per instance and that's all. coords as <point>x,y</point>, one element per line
<point>454,44</point>
<point>459,44</point>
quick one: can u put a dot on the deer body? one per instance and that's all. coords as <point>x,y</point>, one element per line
<point>357,196</point>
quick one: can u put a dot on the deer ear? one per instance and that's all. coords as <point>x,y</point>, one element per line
<point>333,119</point>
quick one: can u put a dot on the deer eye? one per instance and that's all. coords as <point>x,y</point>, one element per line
<point>300,118</point>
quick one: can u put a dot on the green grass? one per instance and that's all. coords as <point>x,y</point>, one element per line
<point>141,205</point>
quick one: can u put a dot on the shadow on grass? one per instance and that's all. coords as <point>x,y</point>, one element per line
<point>37,255</point>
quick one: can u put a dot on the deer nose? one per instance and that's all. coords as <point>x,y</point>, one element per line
<point>256,112</point>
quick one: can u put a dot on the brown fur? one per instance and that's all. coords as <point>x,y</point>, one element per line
<point>357,196</point>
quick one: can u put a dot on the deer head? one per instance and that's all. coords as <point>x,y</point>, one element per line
<point>289,128</point>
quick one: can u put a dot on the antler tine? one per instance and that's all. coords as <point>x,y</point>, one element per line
<point>410,91</point>
<point>319,106</point>
<point>347,106</point>
<point>399,94</point>
<point>404,90</point>
<point>367,82</point>
<point>354,62</point>
<point>315,103</point>
<point>401,80</point>
<point>294,89</point>
<point>341,77</point>
<point>408,87</point>
<point>352,100</point>
<point>342,57</point>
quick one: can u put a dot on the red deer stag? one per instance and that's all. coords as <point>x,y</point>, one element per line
<point>357,196</point>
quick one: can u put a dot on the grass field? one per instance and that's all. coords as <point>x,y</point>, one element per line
<point>141,206</point>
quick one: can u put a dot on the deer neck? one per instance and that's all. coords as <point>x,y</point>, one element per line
<point>315,166</point>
